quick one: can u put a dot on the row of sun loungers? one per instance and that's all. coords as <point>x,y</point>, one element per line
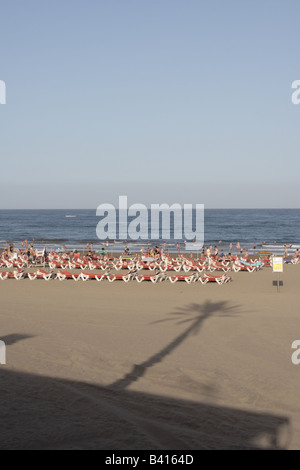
<point>236,266</point>
<point>164,264</point>
<point>83,276</point>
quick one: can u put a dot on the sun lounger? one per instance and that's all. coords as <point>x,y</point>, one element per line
<point>120,265</point>
<point>97,265</point>
<point>34,276</point>
<point>19,274</point>
<point>115,277</point>
<point>39,257</point>
<point>6,275</point>
<point>181,277</point>
<point>130,276</point>
<point>218,279</point>
<point>46,275</point>
<point>63,274</point>
<point>8,263</point>
<point>87,276</point>
<point>242,265</point>
<point>41,274</point>
<point>158,277</point>
<point>58,265</point>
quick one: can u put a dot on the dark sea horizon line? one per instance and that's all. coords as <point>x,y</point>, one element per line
<point>149,207</point>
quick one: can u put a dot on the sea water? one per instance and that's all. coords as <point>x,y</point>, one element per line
<point>269,229</point>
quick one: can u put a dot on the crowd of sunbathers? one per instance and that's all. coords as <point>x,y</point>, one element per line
<point>28,250</point>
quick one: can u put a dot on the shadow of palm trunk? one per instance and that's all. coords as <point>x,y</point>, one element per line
<point>203,312</point>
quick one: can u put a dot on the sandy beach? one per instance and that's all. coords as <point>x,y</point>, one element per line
<point>133,366</point>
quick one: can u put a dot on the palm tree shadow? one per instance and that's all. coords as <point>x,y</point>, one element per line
<point>39,412</point>
<point>194,315</point>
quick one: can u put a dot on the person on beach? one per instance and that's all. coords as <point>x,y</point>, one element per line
<point>230,247</point>
<point>296,255</point>
<point>254,246</point>
<point>29,253</point>
<point>157,251</point>
<point>238,247</point>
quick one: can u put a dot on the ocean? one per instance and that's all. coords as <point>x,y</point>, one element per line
<point>270,229</point>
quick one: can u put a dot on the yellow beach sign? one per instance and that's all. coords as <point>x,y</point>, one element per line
<point>277,264</point>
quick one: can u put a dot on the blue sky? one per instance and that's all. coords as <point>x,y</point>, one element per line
<point>162,101</point>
